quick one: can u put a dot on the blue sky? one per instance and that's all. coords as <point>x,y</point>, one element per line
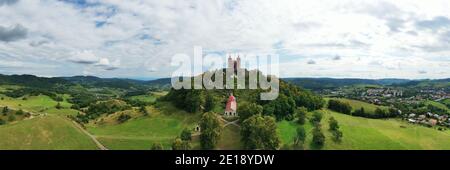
<point>137,38</point>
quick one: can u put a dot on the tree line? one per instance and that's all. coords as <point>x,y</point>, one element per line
<point>345,108</point>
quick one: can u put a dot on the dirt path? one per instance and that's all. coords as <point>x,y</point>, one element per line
<point>228,122</point>
<point>99,145</point>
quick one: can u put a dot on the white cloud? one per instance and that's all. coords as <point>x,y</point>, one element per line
<point>84,57</point>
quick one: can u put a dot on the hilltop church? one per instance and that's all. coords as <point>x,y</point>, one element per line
<point>231,106</point>
<point>234,64</point>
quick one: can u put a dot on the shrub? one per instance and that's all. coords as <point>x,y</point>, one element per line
<point>186,135</point>
<point>123,118</point>
<point>316,117</point>
<point>318,136</point>
<point>157,146</point>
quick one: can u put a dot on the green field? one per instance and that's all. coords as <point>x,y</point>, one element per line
<point>369,108</point>
<point>33,103</point>
<point>162,125</point>
<point>44,132</point>
<point>39,104</point>
<point>371,134</point>
<point>144,98</point>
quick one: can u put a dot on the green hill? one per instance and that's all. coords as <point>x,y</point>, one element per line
<point>44,132</point>
<point>371,134</point>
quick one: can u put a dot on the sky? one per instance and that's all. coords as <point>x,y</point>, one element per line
<point>138,38</point>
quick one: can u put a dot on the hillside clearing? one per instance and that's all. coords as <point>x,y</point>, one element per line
<point>160,126</point>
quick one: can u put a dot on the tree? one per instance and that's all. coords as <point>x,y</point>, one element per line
<point>211,129</point>
<point>2,122</point>
<point>11,118</point>
<point>309,100</point>
<point>316,117</point>
<point>283,106</point>
<point>300,114</point>
<point>186,135</point>
<point>380,113</point>
<point>333,124</point>
<point>259,132</point>
<point>143,110</point>
<point>123,118</point>
<point>318,136</point>
<point>300,137</point>
<point>5,109</point>
<point>157,146</point>
<point>339,106</point>
<point>59,99</point>
<point>58,106</point>
<point>247,110</point>
<point>20,112</point>
<point>209,102</point>
<point>359,112</point>
<point>337,135</point>
<point>334,129</point>
<point>179,144</point>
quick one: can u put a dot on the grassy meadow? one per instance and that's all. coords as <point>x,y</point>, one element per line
<point>370,134</point>
<point>38,104</point>
<point>163,124</point>
<point>42,133</point>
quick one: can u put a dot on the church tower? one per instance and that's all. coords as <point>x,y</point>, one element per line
<point>230,62</point>
<point>238,63</point>
<point>234,64</point>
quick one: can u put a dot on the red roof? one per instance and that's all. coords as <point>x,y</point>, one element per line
<point>230,100</point>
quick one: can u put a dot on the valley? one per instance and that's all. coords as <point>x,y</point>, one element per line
<point>140,116</point>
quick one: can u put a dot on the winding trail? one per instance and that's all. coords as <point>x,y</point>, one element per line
<point>99,145</point>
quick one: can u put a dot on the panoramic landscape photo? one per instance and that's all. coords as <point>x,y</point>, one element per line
<point>224,75</point>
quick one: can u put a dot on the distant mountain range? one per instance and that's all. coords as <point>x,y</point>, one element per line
<point>308,83</point>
